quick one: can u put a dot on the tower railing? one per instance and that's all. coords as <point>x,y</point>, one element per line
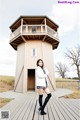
<point>15,33</point>
<point>34,30</point>
<point>52,32</point>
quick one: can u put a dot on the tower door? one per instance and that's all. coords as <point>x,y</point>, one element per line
<point>31,79</point>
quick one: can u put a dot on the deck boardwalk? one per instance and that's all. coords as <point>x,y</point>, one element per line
<point>26,108</point>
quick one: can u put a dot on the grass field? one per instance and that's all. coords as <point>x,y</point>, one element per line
<point>69,84</point>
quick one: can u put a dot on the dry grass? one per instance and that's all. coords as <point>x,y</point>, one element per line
<point>4,101</point>
<point>69,84</point>
<point>75,95</point>
<point>6,83</point>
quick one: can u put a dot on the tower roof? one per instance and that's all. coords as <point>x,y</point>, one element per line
<point>33,20</point>
<point>34,28</point>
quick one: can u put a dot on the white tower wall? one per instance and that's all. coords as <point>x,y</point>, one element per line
<point>26,60</point>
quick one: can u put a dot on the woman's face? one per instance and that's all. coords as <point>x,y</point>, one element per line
<point>40,63</point>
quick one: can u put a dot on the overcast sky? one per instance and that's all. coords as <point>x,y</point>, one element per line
<point>66,15</point>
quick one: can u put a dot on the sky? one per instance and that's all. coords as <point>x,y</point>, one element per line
<point>66,15</point>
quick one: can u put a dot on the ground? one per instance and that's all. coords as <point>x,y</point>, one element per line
<point>7,84</point>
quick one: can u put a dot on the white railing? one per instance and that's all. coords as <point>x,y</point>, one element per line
<point>15,33</point>
<point>52,32</point>
<point>34,30</point>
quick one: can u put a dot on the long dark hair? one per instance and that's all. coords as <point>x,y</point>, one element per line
<point>38,63</point>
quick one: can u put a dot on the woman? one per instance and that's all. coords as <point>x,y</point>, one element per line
<point>41,83</point>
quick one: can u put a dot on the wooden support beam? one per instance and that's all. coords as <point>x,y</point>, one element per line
<point>13,43</point>
<point>28,37</point>
<point>44,38</point>
<point>43,21</point>
<point>25,21</point>
<point>23,38</point>
<point>39,37</point>
<point>18,78</point>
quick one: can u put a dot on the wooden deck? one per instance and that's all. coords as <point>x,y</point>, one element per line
<point>26,108</point>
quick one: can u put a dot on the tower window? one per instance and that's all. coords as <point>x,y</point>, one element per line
<point>34,52</point>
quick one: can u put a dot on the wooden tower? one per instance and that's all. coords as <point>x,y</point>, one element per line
<point>33,37</point>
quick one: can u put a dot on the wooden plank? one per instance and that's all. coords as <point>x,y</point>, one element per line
<point>28,110</point>
<point>40,117</point>
<point>12,106</point>
<point>65,110</point>
<point>76,110</point>
<point>36,114</point>
<point>8,105</point>
<point>56,116</point>
<point>31,114</point>
<point>75,103</point>
<point>50,114</point>
<point>17,105</point>
<point>21,111</point>
<point>72,106</point>
<point>70,109</point>
<point>59,111</point>
<point>17,108</point>
<point>13,102</point>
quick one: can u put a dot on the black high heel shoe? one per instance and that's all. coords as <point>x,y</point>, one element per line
<point>42,112</point>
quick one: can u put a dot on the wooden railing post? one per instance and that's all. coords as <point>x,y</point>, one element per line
<point>21,25</point>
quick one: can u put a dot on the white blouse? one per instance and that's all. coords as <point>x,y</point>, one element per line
<point>40,76</point>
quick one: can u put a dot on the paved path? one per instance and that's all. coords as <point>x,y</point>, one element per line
<point>12,94</point>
